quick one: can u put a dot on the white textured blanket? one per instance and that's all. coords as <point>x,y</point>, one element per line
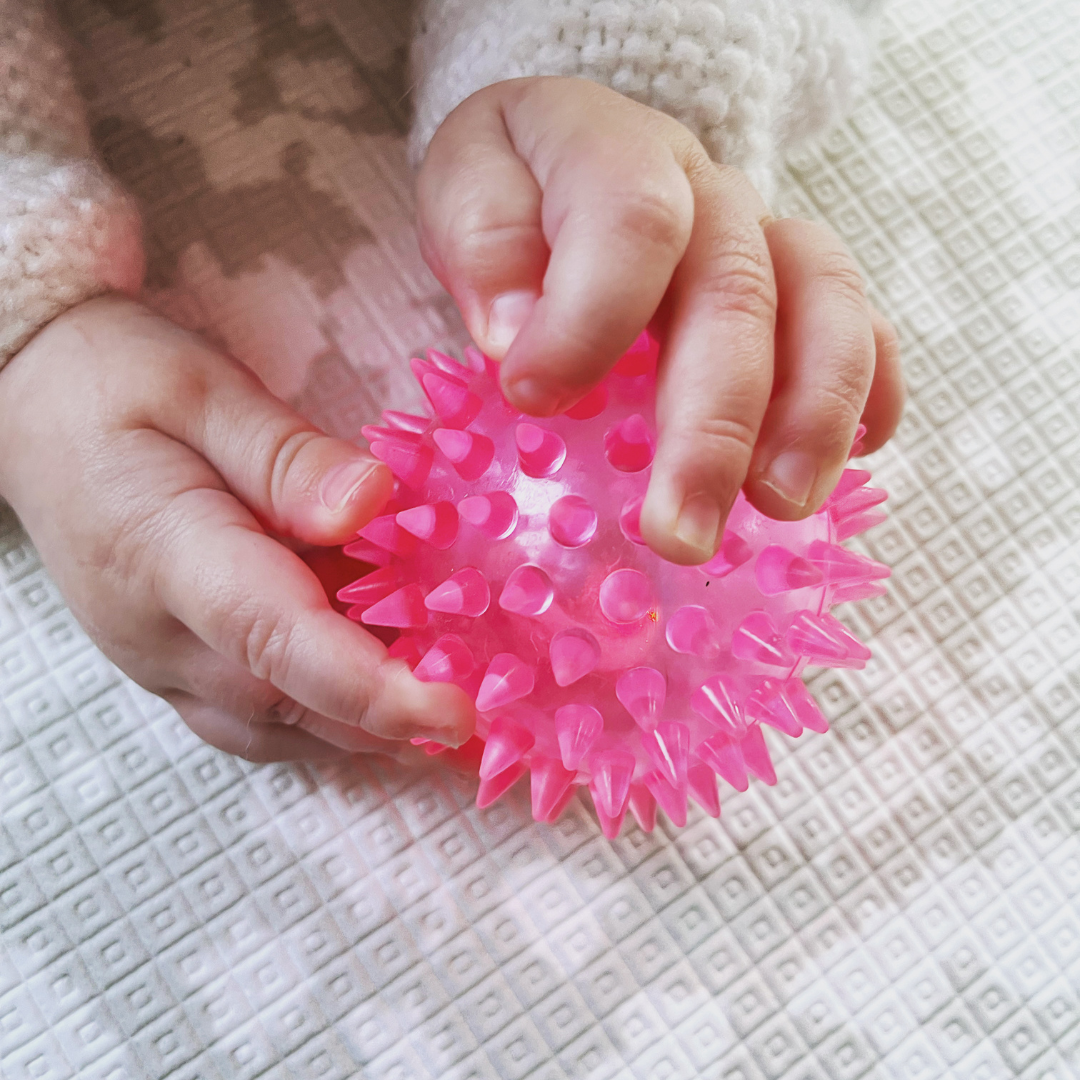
<point>904,903</point>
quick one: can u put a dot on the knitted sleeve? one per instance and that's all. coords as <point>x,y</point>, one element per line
<point>747,77</point>
<point>67,231</point>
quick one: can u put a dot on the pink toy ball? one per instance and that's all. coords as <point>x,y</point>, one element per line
<point>511,563</point>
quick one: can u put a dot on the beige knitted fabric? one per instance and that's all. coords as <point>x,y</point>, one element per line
<point>747,77</point>
<point>67,231</point>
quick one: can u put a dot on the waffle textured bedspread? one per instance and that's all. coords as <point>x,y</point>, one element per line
<point>905,903</point>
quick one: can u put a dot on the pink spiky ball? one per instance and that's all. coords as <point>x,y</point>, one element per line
<point>511,562</point>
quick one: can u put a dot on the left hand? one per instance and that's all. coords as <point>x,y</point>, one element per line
<point>563,217</point>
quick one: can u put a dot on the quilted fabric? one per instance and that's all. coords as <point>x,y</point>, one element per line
<point>904,903</point>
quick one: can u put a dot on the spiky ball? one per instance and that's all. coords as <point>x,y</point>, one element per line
<point>511,562</point>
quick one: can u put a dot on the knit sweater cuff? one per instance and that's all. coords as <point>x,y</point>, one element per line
<point>748,77</point>
<point>67,230</point>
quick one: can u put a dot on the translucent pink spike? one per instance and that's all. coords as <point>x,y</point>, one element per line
<point>642,691</point>
<point>402,608</point>
<point>574,653</point>
<point>625,596</point>
<point>668,745</point>
<point>672,800</point>
<point>856,591</point>
<point>404,421</point>
<point>540,453</point>
<point>355,612</point>
<point>507,743</point>
<point>630,446</point>
<point>571,521</point>
<point>366,551</point>
<point>410,463</point>
<point>758,639</point>
<point>693,631</point>
<point>840,566</point>
<point>779,570</point>
<point>769,705</point>
<point>857,442</point>
<point>528,591</point>
<point>420,368</point>
<point>612,771</point>
<point>389,535</point>
<point>592,404</point>
<point>445,363</point>
<point>577,727</point>
<point>437,523</point>
<point>826,641</point>
<point>855,513</point>
<point>850,479</point>
<point>464,593</point>
<point>734,551</point>
<point>372,587</point>
<point>630,521</point>
<point>722,754</point>
<point>859,523</point>
<point>643,806</point>
<point>549,783</point>
<point>474,359</point>
<point>448,660</point>
<point>469,453</point>
<point>507,679</point>
<point>701,781</point>
<point>491,790</point>
<point>756,755</point>
<point>804,706</point>
<point>454,404</point>
<point>494,514</point>
<point>375,432</point>
<point>717,701</point>
<point>405,648</point>
<point>640,358</point>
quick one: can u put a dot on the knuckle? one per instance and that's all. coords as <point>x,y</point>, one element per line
<point>838,270</point>
<point>740,281</point>
<point>726,439</point>
<point>265,642</point>
<point>280,453</point>
<point>886,340</point>
<point>653,217</point>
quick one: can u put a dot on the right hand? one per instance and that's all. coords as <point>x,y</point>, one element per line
<point>153,473</point>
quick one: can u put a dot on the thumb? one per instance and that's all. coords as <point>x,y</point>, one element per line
<point>479,222</point>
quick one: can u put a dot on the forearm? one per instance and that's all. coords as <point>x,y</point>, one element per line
<point>747,77</point>
<point>67,230</point>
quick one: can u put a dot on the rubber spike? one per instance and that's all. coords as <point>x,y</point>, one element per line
<point>758,639</point>
<point>668,745</point>
<point>506,744</point>
<point>372,587</point>
<point>474,360</point>
<point>495,788</point>
<point>671,800</point>
<point>469,453</point>
<point>701,781</point>
<point>842,567</point>
<point>404,421</point>
<point>389,535</point>
<point>756,755</point>
<point>573,653</point>
<point>577,728</point>
<point>448,660</point>
<point>629,446</point>
<point>717,701</point>
<point>409,462</point>
<point>778,570</point>
<point>642,692</point>
<point>540,453</point>
<point>404,608</point>
<point>769,705</point>
<point>734,551</point>
<point>692,630</point>
<point>446,363</point>
<point>826,641</point>
<point>612,771</point>
<point>507,679</point>
<point>405,648</point>
<point>494,514</point>
<point>804,706</point>
<point>592,404</point>
<point>528,591</point>
<point>435,523</point>
<point>454,404</point>
<point>643,806</point>
<point>549,783</point>
<point>722,754</point>
<point>464,593</point>
<point>367,552</point>
<point>571,521</point>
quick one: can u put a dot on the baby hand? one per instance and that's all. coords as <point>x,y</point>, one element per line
<point>151,472</point>
<point>562,217</point>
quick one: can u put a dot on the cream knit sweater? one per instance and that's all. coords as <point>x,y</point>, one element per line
<point>747,77</point>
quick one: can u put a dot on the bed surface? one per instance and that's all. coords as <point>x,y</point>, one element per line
<point>905,903</point>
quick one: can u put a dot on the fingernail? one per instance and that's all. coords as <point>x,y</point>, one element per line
<point>342,482</point>
<point>533,397</point>
<point>698,523</point>
<point>443,736</point>
<point>506,316</point>
<point>791,475</point>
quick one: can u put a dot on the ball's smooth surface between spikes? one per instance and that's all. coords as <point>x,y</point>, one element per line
<point>511,561</point>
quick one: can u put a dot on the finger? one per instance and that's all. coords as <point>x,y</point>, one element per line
<point>256,603</point>
<point>616,213</point>
<point>478,219</point>
<point>715,370</point>
<point>249,738</point>
<point>824,367</point>
<point>885,404</point>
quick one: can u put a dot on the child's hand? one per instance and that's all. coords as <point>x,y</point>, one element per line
<point>561,216</point>
<point>147,468</point>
